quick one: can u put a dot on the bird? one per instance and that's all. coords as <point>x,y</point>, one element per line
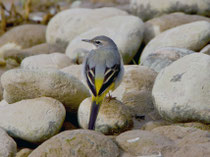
<point>103,70</point>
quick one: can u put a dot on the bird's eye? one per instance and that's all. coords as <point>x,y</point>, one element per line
<point>97,42</point>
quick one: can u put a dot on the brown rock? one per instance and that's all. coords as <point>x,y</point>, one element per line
<point>138,142</point>
<point>77,143</point>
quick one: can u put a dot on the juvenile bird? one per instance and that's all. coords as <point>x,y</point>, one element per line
<point>103,70</point>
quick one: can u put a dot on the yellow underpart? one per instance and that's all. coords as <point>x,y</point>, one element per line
<point>98,85</point>
<point>99,99</point>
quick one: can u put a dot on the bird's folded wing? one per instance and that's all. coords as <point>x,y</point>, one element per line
<point>110,76</point>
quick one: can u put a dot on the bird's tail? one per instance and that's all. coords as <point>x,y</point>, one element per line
<point>93,114</point>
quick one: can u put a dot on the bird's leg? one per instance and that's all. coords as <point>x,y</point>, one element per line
<point>110,97</point>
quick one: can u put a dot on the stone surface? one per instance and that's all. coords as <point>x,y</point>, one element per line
<point>189,141</point>
<point>206,50</point>
<point>22,84</point>
<point>113,116</point>
<point>33,120</point>
<point>193,36</point>
<point>181,90</point>
<point>53,61</point>
<point>138,142</point>
<point>152,8</point>
<point>126,32</point>
<point>160,24</point>
<point>68,24</point>
<point>77,143</point>
<point>19,55</point>
<point>154,124</point>
<point>24,152</point>
<point>75,70</point>
<point>23,36</point>
<point>162,57</point>
<point>135,89</point>
<point>8,147</point>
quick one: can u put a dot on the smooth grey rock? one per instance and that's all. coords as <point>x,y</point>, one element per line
<point>113,116</point>
<point>125,31</point>
<point>139,142</point>
<point>206,50</point>
<point>163,57</point>
<point>33,120</point>
<point>135,91</point>
<point>8,147</point>
<point>160,24</point>
<point>153,8</point>
<point>68,24</point>
<point>49,61</point>
<point>20,84</point>
<point>77,143</point>
<point>193,36</point>
<point>181,91</point>
<point>19,55</point>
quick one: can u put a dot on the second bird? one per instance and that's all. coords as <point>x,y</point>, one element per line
<point>103,70</point>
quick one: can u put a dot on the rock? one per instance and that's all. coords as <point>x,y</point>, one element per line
<point>135,89</point>
<point>189,141</point>
<point>194,36</point>
<point>24,152</point>
<point>120,4</point>
<point>33,120</point>
<point>19,55</point>
<point>113,116</point>
<point>162,57</point>
<point>47,82</point>
<point>160,24</point>
<point>3,103</point>
<point>138,142</point>
<point>152,8</point>
<point>181,91</point>
<point>8,147</point>
<point>195,125</point>
<point>54,61</point>
<point>68,24</point>
<point>174,132</point>
<point>154,124</point>
<point>24,36</point>
<point>75,70</point>
<point>126,32</point>
<point>77,143</point>
<point>195,150</point>
<point>206,50</point>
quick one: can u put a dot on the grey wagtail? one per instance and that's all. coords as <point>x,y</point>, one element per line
<point>103,70</point>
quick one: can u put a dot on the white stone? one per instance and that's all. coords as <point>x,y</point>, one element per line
<point>182,90</point>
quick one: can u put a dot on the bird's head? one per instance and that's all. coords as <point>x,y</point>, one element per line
<point>101,41</point>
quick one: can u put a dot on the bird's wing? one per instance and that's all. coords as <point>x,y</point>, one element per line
<point>90,77</point>
<point>110,76</point>
<point>96,66</point>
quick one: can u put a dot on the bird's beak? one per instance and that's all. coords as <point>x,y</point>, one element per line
<point>87,40</point>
